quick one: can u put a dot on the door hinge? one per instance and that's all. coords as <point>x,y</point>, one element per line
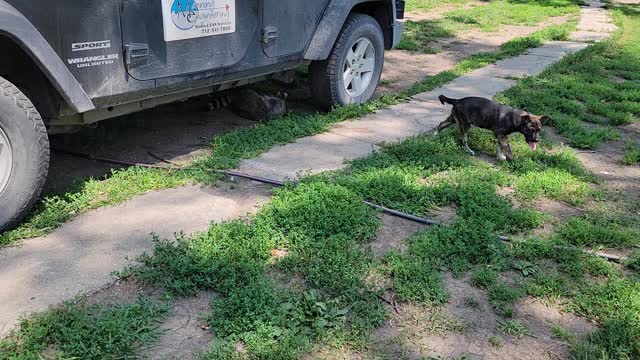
<point>269,34</point>
<point>136,54</point>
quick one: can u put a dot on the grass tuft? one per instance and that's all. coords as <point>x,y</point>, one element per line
<point>86,332</point>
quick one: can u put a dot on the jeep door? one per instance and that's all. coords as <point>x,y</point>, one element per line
<point>289,24</point>
<point>165,38</point>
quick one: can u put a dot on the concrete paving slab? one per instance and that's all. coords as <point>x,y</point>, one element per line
<point>79,257</point>
<point>469,85</point>
<point>394,123</point>
<point>589,36</point>
<point>309,155</point>
<point>558,49</point>
<point>517,67</point>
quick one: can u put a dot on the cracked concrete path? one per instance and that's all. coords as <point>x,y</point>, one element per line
<point>595,23</point>
<point>79,257</point>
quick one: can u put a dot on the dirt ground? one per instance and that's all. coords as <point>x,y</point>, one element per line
<point>465,325</point>
<point>404,68</point>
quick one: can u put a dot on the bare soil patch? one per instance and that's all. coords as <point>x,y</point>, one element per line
<point>392,234</point>
<point>185,336</point>
<point>404,68</point>
<point>606,162</point>
<point>440,11</point>
<point>465,324</point>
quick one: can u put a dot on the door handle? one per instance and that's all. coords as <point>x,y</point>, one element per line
<point>136,54</point>
<point>269,34</point>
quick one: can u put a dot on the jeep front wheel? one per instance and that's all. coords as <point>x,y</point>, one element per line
<point>24,154</point>
<point>351,73</point>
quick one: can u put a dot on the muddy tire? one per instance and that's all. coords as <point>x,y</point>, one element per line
<point>351,73</point>
<point>24,154</point>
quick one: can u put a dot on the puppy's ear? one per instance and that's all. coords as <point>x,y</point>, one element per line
<point>545,119</point>
<point>526,118</point>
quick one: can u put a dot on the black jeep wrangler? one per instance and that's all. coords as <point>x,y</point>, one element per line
<point>67,63</point>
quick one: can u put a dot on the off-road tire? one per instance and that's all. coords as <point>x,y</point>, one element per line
<point>326,76</point>
<point>27,135</point>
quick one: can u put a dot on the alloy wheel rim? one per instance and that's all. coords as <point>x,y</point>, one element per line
<point>359,65</point>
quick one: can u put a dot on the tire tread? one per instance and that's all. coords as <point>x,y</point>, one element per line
<point>41,168</point>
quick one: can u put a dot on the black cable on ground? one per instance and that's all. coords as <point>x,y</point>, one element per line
<point>386,210</point>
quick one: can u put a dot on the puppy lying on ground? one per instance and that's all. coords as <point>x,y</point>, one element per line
<point>501,119</point>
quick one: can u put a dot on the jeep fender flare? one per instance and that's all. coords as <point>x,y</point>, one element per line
<point>333,19</point>
<point>19,29</point>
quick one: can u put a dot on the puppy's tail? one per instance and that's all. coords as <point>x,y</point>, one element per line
<point>446,100</point>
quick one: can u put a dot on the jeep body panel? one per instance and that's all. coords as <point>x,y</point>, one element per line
<point>331,24</point>
<point>85,47</point>
<point>22,30</point>
<point>294,22</point>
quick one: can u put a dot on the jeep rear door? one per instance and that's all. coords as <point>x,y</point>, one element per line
<point>165,38</point>
<point>289,24</point>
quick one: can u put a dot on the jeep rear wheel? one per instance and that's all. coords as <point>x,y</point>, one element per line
<point>351,73</point>
<point>24,154</point>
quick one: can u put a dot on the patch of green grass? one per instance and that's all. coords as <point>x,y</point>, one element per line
<point>554,184</point>
<point>549,285</point>
<point>513,328</point>
<point>633,262</point>
<point>617,306</point>
<point>503,294</point>
<point>563,334</point>
<point>495,342</point>
<point>423,5</point>
<point>586,88</point>
<point>502,297</point>
<point>420,35</point>
<point>631,154</point>
<point>484,277</point>
<point>471,302</point>
<point>491,16</point>
<point>502,12</point>
<point>86,332</point>
<point>594,231</point>
<point>53,210</point>
<point>415,280</point>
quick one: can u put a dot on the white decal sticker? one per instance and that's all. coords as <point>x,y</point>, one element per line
<point>188,19</point>
<point>91,61</point>
<point>92,45</point>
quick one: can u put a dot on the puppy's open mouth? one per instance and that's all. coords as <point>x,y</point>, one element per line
<point>533,145</point>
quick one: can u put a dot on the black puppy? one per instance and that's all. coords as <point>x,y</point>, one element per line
<point>501,119</point>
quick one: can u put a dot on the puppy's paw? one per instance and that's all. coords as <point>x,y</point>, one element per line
<point>435,133</point>
<point>501,157</point>
<point>471,152</point>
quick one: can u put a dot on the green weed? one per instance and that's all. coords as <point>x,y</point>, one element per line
<point>631,154</point>
<point>513,328</point>
<point>484,277</point>
<point>86,332</point>
<point>563,334</point>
